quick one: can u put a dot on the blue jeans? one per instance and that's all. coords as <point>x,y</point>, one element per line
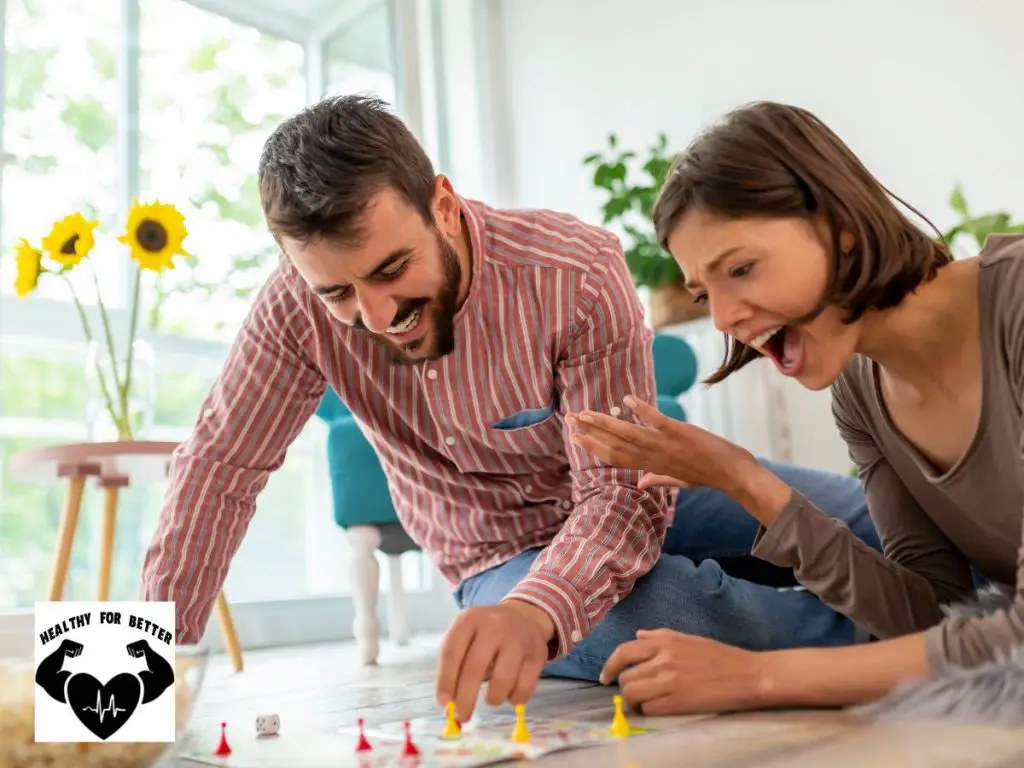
<point>689,590</point>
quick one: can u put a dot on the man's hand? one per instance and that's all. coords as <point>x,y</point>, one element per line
<point>505,643</point>
<point>668,673</point>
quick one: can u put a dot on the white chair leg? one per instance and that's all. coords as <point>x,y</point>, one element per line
<point>398,618</point>
<point>364,540</point>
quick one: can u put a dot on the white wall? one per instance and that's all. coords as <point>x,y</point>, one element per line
<point>927,92</point>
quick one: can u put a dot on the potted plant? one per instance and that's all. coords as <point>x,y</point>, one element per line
<point>630,200</point>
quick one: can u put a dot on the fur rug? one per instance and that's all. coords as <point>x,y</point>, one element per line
<point>992,693</point>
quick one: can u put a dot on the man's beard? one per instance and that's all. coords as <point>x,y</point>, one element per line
<point>440,310</point>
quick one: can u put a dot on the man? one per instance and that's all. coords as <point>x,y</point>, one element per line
<point>460,336</point>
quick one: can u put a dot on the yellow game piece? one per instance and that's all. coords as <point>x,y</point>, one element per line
<point>520,733</point>
<point>452,729</point>
<point>620,725</point>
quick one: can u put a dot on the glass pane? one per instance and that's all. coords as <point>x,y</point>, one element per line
<point>60,124</point>
<point>209,99</point>
<point>358,56</point>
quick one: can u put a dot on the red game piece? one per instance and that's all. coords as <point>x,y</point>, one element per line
<point>222,749</point>
<point>410,748</point>
<point>363,745</point>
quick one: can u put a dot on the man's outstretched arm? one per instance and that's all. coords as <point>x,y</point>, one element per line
<point>615,533</point>
<point>265,394</point>
<point>50,676</point>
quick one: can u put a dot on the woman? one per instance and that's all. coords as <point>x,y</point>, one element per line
<point>803,258</point>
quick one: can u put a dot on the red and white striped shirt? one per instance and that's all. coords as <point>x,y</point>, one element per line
<point>552,320</point>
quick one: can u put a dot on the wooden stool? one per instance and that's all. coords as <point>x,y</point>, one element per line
<point>115,465</point>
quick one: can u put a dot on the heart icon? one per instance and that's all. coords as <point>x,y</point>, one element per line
<point>103,709</point>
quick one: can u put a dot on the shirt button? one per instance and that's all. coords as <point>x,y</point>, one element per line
<point>527,488</point>
<point>431,374</point>
<point>615,410</point>
<point>449,440</point>
<point>576,636</point>
<point>566,504</point>
<point>208,413</point>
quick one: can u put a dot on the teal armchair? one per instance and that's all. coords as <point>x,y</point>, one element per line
<point>363,509</point>
<point>675,372</point>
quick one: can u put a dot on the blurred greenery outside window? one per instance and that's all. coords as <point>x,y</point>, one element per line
<point>209,91</point>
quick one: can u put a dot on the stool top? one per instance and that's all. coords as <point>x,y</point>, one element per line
<point>116,463</point>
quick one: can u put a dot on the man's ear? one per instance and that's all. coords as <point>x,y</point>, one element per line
<point>446,207</point>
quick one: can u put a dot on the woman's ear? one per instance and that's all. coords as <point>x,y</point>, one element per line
<point>846,241</point>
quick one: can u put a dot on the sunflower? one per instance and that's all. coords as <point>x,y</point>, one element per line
<point>29,265</point>
<point>70,240</point>
<point>155,233</point>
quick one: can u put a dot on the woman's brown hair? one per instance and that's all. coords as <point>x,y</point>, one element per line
<point>769,159</point>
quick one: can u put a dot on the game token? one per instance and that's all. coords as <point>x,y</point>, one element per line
<point>520,734</point>
<point>452,728</point>
<point>363,745</point>
<point>222,749</point>
<point>410,749</point>
<point>620,726</point>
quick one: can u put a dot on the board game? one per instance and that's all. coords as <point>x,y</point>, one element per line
<point>427,742</point>
<point>336,750</point>
<point>489,736</point>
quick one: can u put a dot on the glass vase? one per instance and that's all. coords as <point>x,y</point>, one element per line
<point>127,417</point>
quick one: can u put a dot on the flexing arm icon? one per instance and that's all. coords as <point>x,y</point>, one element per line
<point>157,676</point>
<point>50,676</point>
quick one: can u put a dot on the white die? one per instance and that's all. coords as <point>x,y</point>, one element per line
<point>268,725</point>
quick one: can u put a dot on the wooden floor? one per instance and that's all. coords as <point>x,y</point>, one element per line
<point>323,688</point>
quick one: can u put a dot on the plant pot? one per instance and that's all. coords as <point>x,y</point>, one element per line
<point>672,304</point>
<point>132,417</point>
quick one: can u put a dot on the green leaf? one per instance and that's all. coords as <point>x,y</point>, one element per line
<point>104,57</point>
<point>39,163</point>
<point>91,123</point>
<point>593,158</point>
<point>957,202</point>
<point>615,208</point>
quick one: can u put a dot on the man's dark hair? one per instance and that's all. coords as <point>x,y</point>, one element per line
<point>774,160</point>
<point>320,168</point>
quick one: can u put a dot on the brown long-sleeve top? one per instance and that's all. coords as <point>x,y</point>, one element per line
<point>933,527</point>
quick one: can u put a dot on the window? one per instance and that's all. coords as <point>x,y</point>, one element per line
<point>109,99</point>
<point>208,101</point>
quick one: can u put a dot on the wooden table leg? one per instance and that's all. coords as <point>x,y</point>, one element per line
<point>227,628</point>
<point>107,540</point>
<point>66,536</point>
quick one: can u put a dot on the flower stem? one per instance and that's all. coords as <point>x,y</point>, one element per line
<point>134,323</point>
<point>110,345</point>
<point>88,337</point>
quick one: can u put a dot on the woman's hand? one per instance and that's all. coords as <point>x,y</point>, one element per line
<point>664,672</point>
<point>669,452</point>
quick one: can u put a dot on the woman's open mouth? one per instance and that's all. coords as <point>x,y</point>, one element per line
<point>785,346</point>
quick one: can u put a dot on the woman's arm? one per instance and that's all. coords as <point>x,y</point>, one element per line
<point>839,677</point>
<point>889,594</point>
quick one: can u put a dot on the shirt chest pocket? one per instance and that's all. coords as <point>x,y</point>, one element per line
<point>519,442</point>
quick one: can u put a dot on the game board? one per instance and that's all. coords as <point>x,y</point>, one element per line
<point>488,735</point>
<point>336,750</point>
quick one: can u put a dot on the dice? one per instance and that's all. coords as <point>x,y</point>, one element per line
<point>268,725</point>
